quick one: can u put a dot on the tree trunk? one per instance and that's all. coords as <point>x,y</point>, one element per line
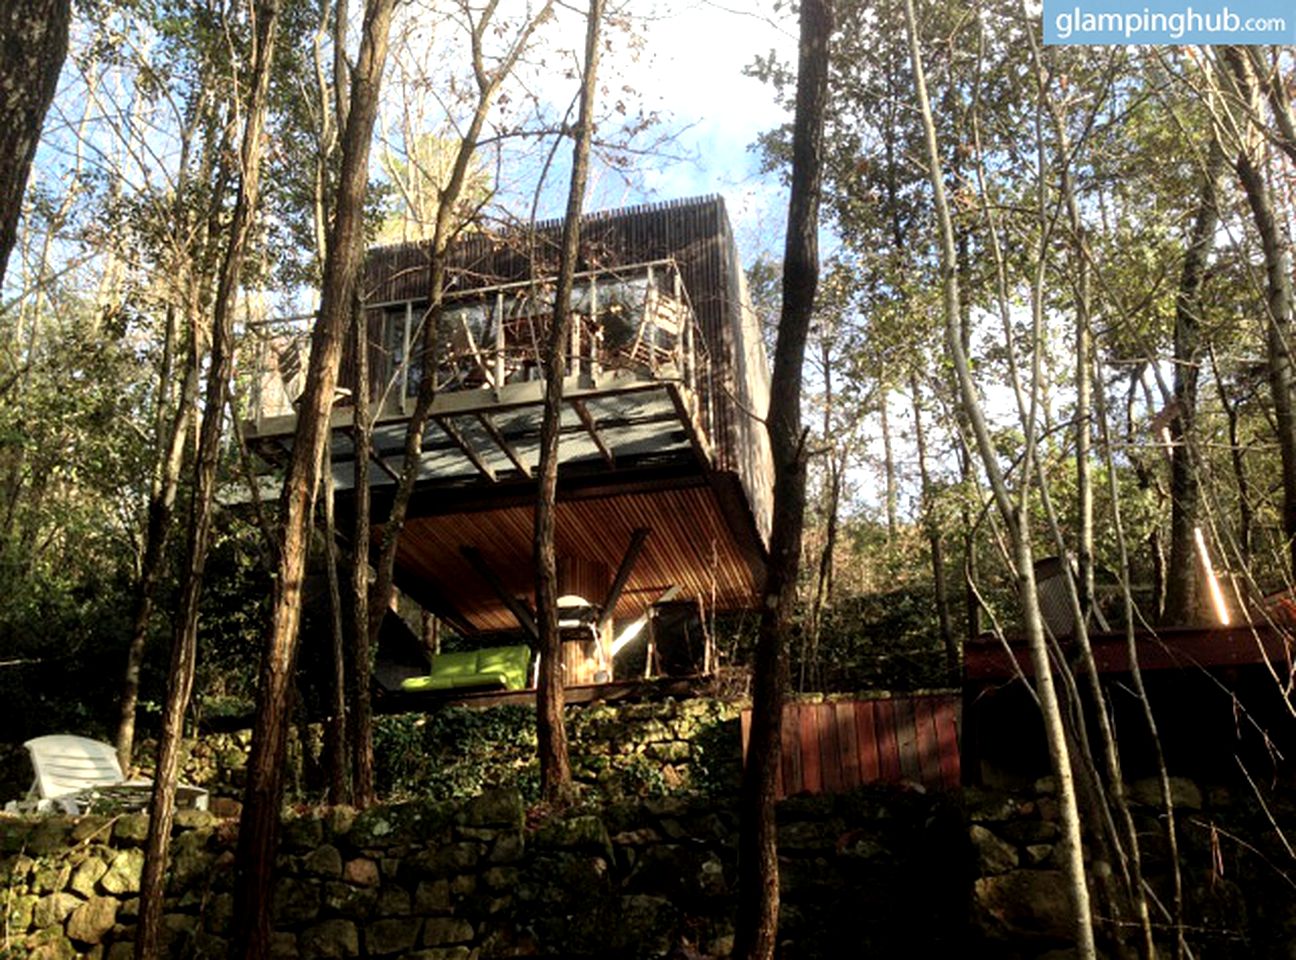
<point>161,507</point>
<point>1015,521</point>
<point>551,733</point>
<point>335,730</point>
<point>831,507</point>
<point>758,884</point>
<point>1083,425</point>
<point>953,654</point>
<point>1278,286</point>
<point>488,84</point>
<point>1278,340</point>
<point>33,44</point>
<point>358,667</point>
<point>888,465</point>
<point>1246,520</point>
<point>207,455</point>
<point>259,825</point>
<point>1183,603</point>
<point>171,432</point>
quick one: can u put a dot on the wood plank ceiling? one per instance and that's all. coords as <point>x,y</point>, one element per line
<point>690,546</point>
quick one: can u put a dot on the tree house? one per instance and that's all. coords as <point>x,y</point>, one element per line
<point>665,475</point>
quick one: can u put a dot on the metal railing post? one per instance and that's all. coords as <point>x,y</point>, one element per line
<point>596,329</point>
<point>405,356</point>
<point>499,339</point>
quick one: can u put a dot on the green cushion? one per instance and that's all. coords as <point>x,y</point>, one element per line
<point>416,684</point>
<point>510,662</point>
<point>490,667</point>
<point>462,664</point>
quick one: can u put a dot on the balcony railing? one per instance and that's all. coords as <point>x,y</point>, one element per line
<point>635,320</point>
<point>630,324</point>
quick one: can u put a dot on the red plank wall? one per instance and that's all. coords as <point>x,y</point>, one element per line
<point>833,747</point>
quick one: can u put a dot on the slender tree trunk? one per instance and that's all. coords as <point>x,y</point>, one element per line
<point>1083,427</point>
<point>172,432</point>
<point>810,667</point>
<point>33,44</point>
<point>1184,590</point>
<point>758,884</point>
<point>551,734</point>
<point>953,653</point>
<point>831,507</point>
<point>1246,520</point>
<point>1136,675</point>
<point>971,576</point>
<point>1015,521</point>
<point>361,726</point>
<point>259,825</point>
<point>888,464</point>
<point>1278,284</point>
<point>157,532</point>
<point>1101,813</point>
<point>1279,336</point>
<point>488,84</point>
<point>335,730</point>
<point>1083,348</point>
<point>207,455</point>
<point>1272,82</point>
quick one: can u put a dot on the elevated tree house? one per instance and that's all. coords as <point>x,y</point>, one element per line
<point>665,477</point>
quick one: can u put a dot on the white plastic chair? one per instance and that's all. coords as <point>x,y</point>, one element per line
<point>72,771</point>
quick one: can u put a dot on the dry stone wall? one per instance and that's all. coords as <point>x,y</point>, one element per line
<point>876,872</point>
<point>464,880</point>
<point>1238,898</point>
<point>870,873</point>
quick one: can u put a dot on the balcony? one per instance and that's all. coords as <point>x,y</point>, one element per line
<point>638,385</point>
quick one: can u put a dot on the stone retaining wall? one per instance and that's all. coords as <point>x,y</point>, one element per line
<point>876,872</point>
<point>1238,893</point>
<point>454,881</point>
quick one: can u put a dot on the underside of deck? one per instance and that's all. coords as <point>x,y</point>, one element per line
<point>633,457</point>
<point>690,546</point>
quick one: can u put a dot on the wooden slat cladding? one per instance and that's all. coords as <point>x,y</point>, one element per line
<point>838,746</point>
<point>689,546</point>
<point>696,234</point>
<point>1166,648</point>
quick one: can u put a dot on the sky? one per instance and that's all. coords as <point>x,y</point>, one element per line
<point>701,49</point>
<point>691,72</point>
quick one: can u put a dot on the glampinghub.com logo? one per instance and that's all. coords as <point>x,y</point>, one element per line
<point>1105,22</point>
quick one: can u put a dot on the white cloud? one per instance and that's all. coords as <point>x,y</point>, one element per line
<point>691,55</point>
<point>694,68</point>
<point>690,71</point>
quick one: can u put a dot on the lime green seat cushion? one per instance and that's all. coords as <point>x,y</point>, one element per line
<point>490,667</point>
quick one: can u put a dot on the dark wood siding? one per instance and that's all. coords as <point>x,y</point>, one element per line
<point>838,746</point>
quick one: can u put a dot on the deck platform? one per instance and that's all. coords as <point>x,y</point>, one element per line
<point>1170,648</point>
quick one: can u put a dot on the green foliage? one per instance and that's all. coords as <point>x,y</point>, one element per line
<point>71,475</point>
<point>456,752</point>
<point>883,641</point>
<point>233,616</point>
<point>717,758</point>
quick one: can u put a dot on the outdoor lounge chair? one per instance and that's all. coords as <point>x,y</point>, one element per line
<point>72,772</point>
<point>497,667</point>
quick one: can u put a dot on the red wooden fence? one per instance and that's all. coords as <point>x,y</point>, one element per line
<point>833,747</point>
